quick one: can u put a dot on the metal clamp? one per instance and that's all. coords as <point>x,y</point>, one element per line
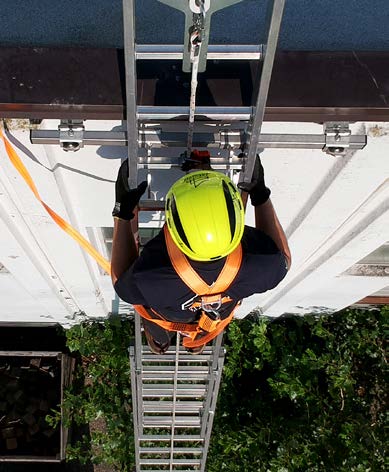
<point>197,5</point>
<point>337,138</point>
<point>71,134</point>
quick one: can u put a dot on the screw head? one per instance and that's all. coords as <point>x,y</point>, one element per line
<point>71,146</point>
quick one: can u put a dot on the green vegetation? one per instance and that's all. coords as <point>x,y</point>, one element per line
<point>303,394</point>
<point>298,394</point>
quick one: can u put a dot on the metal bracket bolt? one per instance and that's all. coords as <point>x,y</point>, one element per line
<point>71,134</point>
<point>337,138</point>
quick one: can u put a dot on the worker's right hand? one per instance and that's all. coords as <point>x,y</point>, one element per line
<point>126,199</point>
<point>257,189</point>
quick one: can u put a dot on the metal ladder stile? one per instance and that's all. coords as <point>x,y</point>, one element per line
<point>174,399</point>
<point>174,395</point>
<point>274,19</point>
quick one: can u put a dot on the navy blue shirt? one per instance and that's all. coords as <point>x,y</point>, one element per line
<point>152,281</point>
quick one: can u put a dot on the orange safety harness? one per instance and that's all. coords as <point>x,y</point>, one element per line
<point>208,298</point>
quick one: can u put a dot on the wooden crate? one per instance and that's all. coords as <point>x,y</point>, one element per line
<point>31,383</point>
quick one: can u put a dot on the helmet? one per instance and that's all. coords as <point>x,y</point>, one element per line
<point>205,215</point>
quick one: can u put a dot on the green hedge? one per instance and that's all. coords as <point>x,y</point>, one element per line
<point>298,394</point>
<point>303,394</point>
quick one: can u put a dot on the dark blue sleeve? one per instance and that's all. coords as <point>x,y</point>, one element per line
<point>154,256</point>
<point>127,290</point>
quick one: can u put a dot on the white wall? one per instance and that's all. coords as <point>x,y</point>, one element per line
<point>335,211</point>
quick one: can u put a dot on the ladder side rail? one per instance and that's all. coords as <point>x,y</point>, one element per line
<point>130,73</point>
<point>275,12</point>
<point>138,378</point>
<point>210,390</point>
<point>135,405</point>
<point>174,399</point>
<point>213,395</point>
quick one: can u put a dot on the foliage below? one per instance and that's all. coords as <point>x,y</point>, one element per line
<point>298,394</point>
<point>101,394</point>
<point>303,394</point>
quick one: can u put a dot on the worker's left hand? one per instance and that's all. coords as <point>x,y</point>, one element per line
<point>126,199</point>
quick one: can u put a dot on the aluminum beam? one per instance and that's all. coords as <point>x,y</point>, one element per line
<point>131,96</point>
<point>277,9</point>
<point>230,139</point>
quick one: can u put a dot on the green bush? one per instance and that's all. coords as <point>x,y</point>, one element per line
<point>303,394</point>
<point>298,394</point>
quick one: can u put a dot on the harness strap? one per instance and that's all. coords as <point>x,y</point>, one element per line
<point>192,332</point>
<point>192,279</point>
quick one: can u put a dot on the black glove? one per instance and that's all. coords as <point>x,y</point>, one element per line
<point>257,189</point>
<point>126,199</point>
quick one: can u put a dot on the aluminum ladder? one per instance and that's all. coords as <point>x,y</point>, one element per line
<point>174,398</point>
<point>174,395</point>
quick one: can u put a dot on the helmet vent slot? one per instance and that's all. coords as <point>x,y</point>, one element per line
<point>177,223</point>
<point>230,209</point>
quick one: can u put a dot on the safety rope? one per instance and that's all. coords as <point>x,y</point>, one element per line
<point>64,225</point>
<point>195,40</point>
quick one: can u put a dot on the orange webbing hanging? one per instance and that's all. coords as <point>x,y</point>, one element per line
<point>191,278</point>
<point>73,233</point>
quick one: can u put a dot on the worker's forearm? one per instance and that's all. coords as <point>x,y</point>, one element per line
<point>124,250</point>
<point>267,221</point>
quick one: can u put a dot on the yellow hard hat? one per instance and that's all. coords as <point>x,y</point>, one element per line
<point>205,215</point>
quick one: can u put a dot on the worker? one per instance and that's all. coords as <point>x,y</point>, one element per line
<point>205,242</point>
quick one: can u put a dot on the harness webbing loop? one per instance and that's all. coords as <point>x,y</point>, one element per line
<point>194,335</point>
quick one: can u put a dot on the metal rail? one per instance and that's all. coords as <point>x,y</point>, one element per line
<point>275,13</point>
<point>131,106</point>
<point>209,136</point>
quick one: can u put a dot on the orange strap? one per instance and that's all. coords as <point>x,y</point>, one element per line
<point>192,332</point>
<point>73,233</point>
<point>192,279</point>
<point>168,325</point>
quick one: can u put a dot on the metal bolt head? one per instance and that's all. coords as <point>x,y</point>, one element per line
<point>71,146</point>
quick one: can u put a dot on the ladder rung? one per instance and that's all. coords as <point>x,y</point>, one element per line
<point>171,368</point>
<point>179,421</point>
<point>181,407</point>
<point>182,391</point>
<point>167,437</point>
<point>166,450</point>
<point>182,377</point>
<point>151,205</point>
<point>167,462</point>
<point>187,358</point>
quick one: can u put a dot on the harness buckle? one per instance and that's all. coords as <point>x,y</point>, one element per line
<point>211,303</point>
<point>207,323</point>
